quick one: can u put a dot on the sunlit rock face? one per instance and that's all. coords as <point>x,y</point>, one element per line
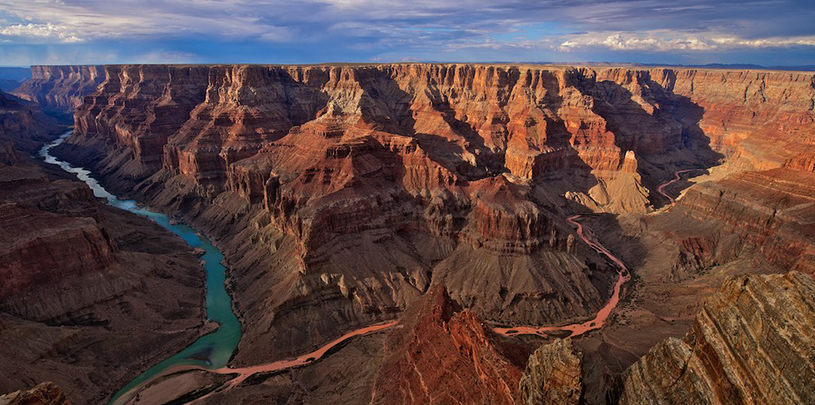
<point>752,344</point>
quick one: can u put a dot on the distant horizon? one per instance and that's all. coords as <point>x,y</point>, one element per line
<point>747,66</point>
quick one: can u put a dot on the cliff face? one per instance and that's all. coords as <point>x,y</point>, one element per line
<point>475,121</point>
<point>457,175</point>
<point>752,344</point>
<point>445,355</point>
<point>23,126</point>
<point>44,236</point>
<point>60,89</point>
<point>614,129</point>
<point>771,212</point>
<point>757,119</point>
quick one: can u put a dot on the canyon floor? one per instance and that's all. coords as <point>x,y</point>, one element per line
<point>438,202</point>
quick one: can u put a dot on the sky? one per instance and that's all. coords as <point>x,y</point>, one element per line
<point>766,32</point>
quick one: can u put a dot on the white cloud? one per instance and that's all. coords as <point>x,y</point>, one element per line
<point>72,21</point>
<point>661,40</point>
<point>39,31</point>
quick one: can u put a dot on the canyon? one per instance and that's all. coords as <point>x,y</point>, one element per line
<point>85,287</point>
<point>439,196</point>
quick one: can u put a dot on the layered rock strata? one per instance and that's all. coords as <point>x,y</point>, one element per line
<point>753,343</point>
<point>771,211</point>
<point>553,375</point>
<point>23,126</point>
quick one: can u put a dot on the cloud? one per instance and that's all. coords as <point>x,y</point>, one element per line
<point>39,31</point>
<point>425,29</point>
<point>105,19</point>
<point>663,41</point>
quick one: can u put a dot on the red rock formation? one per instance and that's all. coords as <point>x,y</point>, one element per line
<point>803,161</point>
<point>770,210</point>
<point>757,118</point>
<point>444,355</point>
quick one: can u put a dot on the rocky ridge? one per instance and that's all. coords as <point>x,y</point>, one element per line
<point>753,343</point>
<point>553,375</point>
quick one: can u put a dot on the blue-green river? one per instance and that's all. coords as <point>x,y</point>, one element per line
<point>212,350</point>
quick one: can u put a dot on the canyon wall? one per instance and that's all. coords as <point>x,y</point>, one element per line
<point>24,126</point>
<point>341,194</point>
<point>771,212</point>
<point>84,288</point>
<point>458,175</point>
<point>40,248</point>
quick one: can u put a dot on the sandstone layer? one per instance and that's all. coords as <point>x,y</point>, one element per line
<point>753,343</point>
<point>553,375</point>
